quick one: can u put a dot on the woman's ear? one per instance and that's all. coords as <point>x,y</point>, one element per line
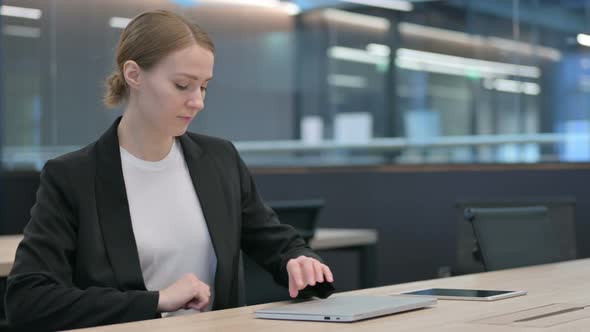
<point>132,73</point>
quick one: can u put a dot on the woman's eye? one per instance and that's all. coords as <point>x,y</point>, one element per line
<point>204,89</point>
<point>181,87</point>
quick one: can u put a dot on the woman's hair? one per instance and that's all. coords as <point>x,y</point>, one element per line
<point>147,39</point>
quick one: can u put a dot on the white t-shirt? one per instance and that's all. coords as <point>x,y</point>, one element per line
<point>168,223</point>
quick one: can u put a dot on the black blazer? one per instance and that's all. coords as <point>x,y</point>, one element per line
<point>78,264</point>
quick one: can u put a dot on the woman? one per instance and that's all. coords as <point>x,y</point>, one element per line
<point>149,220</point>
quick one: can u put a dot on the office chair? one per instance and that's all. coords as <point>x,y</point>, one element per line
<point>301,214</point>
<point>513,237</point>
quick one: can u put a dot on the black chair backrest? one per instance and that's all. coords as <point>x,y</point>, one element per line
<point>514,236</point>
<point>562,214</point>
<point>301,214</point>
<point>18,195</point>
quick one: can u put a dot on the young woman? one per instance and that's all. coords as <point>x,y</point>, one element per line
<point>149,220</point>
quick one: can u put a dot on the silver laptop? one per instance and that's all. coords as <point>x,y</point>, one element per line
<point>346,308</point>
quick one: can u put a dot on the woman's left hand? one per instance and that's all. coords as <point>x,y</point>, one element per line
<point>305,271</point>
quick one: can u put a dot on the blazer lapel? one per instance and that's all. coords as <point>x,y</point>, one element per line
<point>113,212</point>
<point>206,179</point>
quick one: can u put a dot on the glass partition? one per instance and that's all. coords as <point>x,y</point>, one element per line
<point>322,82</point>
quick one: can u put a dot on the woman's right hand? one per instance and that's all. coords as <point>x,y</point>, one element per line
<point>186,293</point>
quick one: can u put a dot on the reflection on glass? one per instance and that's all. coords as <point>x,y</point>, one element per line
<point>323,82</point>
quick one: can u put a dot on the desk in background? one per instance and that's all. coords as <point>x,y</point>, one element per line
<point>8,245</point>
<point>261,288</point>
<point>565,282</point>
<point>363,240</point>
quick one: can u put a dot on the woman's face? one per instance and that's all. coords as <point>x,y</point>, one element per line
<point>172,93</point>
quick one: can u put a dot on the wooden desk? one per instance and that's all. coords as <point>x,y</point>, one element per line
<point>566,282</point>
<point>362,239</point>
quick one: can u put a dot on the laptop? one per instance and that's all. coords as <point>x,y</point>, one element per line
<point>345,308</point>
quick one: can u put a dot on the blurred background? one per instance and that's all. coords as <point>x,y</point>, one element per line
<point>396,115</point>
<point>323,82</point>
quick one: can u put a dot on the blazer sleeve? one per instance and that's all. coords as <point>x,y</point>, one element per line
<point>40,293</point>
<point>270,243</point>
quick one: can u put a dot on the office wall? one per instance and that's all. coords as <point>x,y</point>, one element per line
<point>415,211</point>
